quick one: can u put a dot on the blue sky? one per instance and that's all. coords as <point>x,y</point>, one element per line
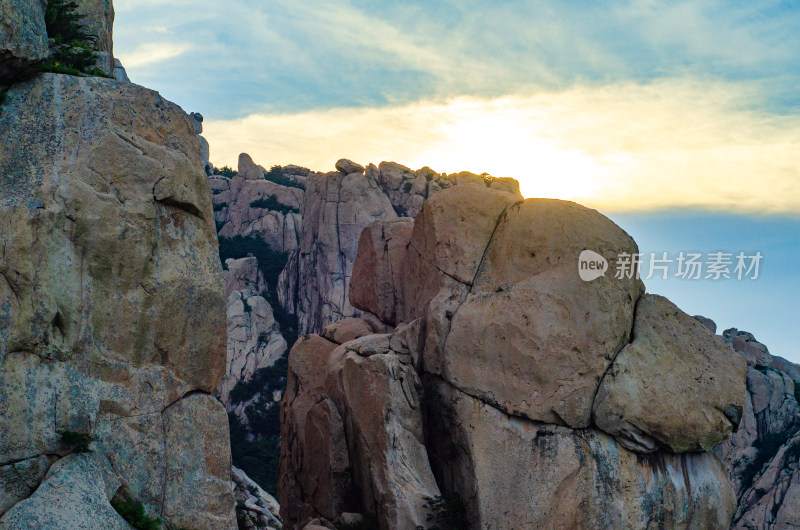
<point>680,120</point>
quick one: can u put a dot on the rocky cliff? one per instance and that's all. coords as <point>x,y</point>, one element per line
<point>112,314</point>
<point>762,456</point>
<point>494,368</point>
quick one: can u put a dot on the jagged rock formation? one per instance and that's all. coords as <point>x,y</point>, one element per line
<point>111,311</point>
<point>254,338</point>
<point>23,35</point>
<point>259,508</point>
<point>763,456</point>
<point>248,205</point>
<point>504,371</point>
<point>337,206</point>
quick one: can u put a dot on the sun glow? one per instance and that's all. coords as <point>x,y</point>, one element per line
<point>630,147</point>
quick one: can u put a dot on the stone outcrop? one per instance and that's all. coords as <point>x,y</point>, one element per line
<point>247,205</point>
<point>98,21</point>
<point>501,372</point>
<point>315,283</point>
<point>254,339</point>
<point>260,509</point>
<point>112,313</point>
<point>23,35</point>
<point>763,456</point>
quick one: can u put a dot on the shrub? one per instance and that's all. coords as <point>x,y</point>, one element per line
<point>74,51</point>
<point>271,203</point>
<point>78,441</point>
<point>447,513</point>
<point>275,174</point>
<point>259,458</point>
<point>134,513</point>
<point>225,172</point>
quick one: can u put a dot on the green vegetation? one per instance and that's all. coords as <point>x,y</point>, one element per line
<point>267,379</point>
<point>271,203</point>
<point>447,513</point>
<point>259,458</point>
<point>78,441</point>
<point>275,174</point>
<point>73,51</point>
<point>225,172</point>
<point>134,513</point>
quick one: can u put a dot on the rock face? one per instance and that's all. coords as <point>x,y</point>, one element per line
<point>111,309</point>
<point>23,35</point>
<point>315,283</point>
<point>261,509</point>
<point>98,20</point>
<point>254,338</point>
<point>249,206</point>
<point>763,456</point>
<point>501,372</point>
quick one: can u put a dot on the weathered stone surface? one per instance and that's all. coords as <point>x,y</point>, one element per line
<point>111,302</point>
<point>351,328</point>
<point>23,35</point>
<point>314,466</point>
<point>675,384</point>
<point>378,393</point>
<point>532,338</point>
<point>198,488</point>
<point>515,473</point>
<point>254,340</point>
<point>762,455</point>
<point>98,20</point>
<point>249,206</point>
<point>377,283</point>
<point>121,75</point>
<point>315,283</point>
<point>74,494</point>
<point>20,479</point>
<point>257,503</point>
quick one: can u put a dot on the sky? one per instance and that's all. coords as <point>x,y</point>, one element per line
<point>679,120</point>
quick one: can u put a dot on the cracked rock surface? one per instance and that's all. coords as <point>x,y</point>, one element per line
<point>500,380</point>
<point>112,314</point>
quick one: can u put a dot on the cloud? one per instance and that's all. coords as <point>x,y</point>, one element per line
<point>291,56</point>
<point>152,53</point>
<point>619,147</point>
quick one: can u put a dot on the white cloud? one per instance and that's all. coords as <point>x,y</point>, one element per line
<point>152,53</point>
<point>620,147</point>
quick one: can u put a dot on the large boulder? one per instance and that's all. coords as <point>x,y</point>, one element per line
<point>532,338</point>
<point>314,464</point>
<point>23,35</point>
<point>675,385</point>
<point>514,473</point>
<point>112,313</point>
